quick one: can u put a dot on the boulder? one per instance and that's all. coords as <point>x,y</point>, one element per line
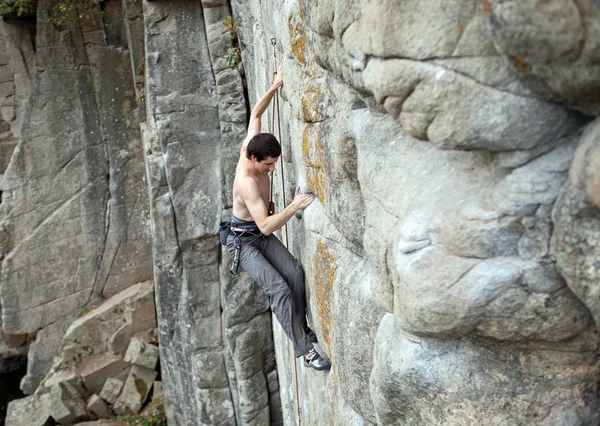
<point>95,370</point>
<point>33,410</point>
<point>111,390</point>
<point>89,376</point>
<point>142,354</point>
<point>62,404</point>
<point>98,407</point>
<point>67,405</point>
<point>135,391</point>
<point>42,353</point>
<point>107,329</point>
<point>68,376</point>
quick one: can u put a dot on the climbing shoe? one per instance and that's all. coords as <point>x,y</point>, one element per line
<point>312,359</point>
<point>311,335</point>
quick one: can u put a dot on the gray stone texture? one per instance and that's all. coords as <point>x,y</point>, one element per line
<point>67,405</point>
<point>433,383</point>
<point>108,328</point>
<point>451,252</point>
<point>40,356</point>
<point>183,156</point>
<point>98,407</point>
<point>90,358</point>
<point>92,364</point>
<point>62,404</point>
<point>74,207</point>
<point>451,255</point>
<point>576,214</point>
<point>196,118</point>
<point>33,410</point>
<point>94,370</point>
<point>142,354</point>
<point>136,389</point>
<point>11,358</point>
<point>111,390</point>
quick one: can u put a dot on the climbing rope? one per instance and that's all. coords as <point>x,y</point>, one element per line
<point>274,111</point>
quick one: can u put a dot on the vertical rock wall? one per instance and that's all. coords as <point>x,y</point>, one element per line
<point>217,353</point>
<point>74,204</point>
<point>182,162</point>
<point>451,256</point>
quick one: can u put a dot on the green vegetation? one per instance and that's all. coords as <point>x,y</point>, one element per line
<point>85,310</point>
<point>234,54</point>
<point>67,12</point>
<point>18,7</point>
<point>140,83</point>
<point>155,416</point>
<point>64,13</point>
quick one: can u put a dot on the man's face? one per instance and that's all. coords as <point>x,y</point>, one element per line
<point>266,166</point>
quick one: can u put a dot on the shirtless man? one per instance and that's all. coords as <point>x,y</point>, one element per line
<point>252,244</point>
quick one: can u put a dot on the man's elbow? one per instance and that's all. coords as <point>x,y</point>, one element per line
<point>263,227</point>
<point>265,230</point>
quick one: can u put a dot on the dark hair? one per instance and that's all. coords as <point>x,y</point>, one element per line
<point>262,146</point>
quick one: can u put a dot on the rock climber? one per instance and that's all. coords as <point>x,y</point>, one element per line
<point>250,238</point>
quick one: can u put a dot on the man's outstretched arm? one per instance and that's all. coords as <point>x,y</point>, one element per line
<point>260,107</point>
<point>256,206</point>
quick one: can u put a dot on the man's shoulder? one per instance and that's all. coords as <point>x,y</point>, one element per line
<point>248,182</point>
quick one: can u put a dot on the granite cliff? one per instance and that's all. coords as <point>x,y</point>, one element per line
<point>451,256</point>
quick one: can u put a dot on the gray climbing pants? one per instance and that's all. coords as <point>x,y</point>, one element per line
<point>269,263</point>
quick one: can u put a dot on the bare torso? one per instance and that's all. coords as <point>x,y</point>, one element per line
<point>241,172</point>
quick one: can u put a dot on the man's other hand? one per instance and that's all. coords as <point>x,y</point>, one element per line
<point>279,77</point>
<point>302,201</point>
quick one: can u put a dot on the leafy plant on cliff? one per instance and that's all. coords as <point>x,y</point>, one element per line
<point>18,7</point>
<point>155,416</point>
<point>67,12</point>
<point>233,57</point>
<point>64,13</point>
<point>234,53</point>
<point>140,84</point>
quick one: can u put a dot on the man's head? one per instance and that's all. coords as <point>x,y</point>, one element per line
<point>264,150</point>
<point>262,146</point>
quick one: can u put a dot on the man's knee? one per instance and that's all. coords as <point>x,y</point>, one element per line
<point>297,278</point>
<point>279,297</point>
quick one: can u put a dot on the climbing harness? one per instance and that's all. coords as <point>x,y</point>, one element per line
<point>238,228</point>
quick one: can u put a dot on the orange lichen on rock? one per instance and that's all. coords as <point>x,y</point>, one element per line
<point>521,65</point>
<point>324,270</point>
<point>296,27</point>
<point>486,7</point>
<point>310,104</point>
<point>298,45</point>
<point>315,163</point>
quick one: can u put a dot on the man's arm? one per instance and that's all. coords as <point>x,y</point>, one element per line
<point>259,109</point>
<point>250,192</point>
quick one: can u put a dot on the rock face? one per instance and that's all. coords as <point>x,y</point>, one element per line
<point>74,204</point>
<point>94,370</point>
<point>62,404</point>
<point>214,366</point>
<point>451,255</point>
